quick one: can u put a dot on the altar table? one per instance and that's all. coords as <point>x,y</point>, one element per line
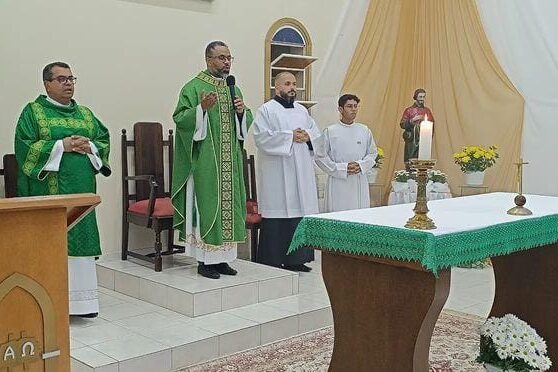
<point>387,284</point>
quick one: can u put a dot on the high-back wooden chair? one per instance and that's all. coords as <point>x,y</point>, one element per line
<point>9,172</point>
<point>150,206</point>
<point>253,218</point>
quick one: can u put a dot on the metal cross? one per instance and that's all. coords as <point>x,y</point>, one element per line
<point>520,175</point>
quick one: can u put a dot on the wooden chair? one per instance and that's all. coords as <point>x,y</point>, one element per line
<point>151,205</point>
<point>10,175</point>
<point>253,218</point>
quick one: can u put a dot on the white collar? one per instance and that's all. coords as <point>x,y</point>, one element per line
<point>347,125</point>
<point>56,103</point>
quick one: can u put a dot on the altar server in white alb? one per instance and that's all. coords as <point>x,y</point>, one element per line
<point>283,134</point>
<point>347,152</point>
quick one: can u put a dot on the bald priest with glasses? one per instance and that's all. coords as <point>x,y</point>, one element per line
<point>60,148</point>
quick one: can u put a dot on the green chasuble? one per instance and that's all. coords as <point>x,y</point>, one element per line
<point>215,163</point>
<point>40,125</point>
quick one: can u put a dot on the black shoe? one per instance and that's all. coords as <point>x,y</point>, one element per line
<point>208,271</point>
<point>90,315</point>
<point>302,268</point>
<point>225,269</point>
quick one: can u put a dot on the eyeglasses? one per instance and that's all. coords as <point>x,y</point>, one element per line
<point>64,79</point>
<point>223,58</point>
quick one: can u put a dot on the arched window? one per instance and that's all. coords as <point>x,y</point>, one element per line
<point>288,47</point>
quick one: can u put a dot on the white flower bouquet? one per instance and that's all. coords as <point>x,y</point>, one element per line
<point>512,345</point>
<point>401,176</point>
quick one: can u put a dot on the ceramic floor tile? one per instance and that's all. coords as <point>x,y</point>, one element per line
<point>155,362</point>
<point>279,329</point>
<point>316,319</point>
<point>105,277</point>
<point>261,313</point>
<point>207,302</point>
<point>101,333</point>
<point>124,310</point>
<point>92,357</point>
<point>75,344</point>
<point>154,293</point>
<point>178,334</point>
<point>128,348</point>
<point>108,300</point>
<point>295,284</point>
<point>173,315</point>
<point>222,323</point>
<point>240,295</point>
<point>275,288</point>
<point>79,322</point>
<point>147,322</point>
<point>116,264</point>
<point>236,341</point>
<point>126,283</point>
<point>481,309</point>
<point>180,301</point>
<point>194,353</point>
<point>77,366</point>
<point>298,304</point>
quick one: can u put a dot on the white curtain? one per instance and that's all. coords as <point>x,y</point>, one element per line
<point>523,35</point>
<point>328,80</point>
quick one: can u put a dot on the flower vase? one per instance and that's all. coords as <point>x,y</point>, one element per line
<point>474,178</point>
<point>490,368</point>
<point>372,175</point>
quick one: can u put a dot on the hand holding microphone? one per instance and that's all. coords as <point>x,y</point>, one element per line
<point>238,104</point>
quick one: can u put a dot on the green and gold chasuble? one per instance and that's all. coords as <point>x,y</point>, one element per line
<point>40,125</point>
<point>214,162</point>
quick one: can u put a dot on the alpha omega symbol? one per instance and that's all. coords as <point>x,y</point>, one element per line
<point>19,351</point>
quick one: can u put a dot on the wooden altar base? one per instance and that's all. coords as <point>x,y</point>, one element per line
<point>384,312</point>
<point>526,286</point>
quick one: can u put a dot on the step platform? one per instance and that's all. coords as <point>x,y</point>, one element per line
<point>133,333</point>
<point>179,287</point>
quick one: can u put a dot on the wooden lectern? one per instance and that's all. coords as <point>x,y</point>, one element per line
<point>34,319</point>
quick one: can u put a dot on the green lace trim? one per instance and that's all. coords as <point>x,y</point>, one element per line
<point>433,252</point>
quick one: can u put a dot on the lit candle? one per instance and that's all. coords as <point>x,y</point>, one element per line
<point>425,139</point>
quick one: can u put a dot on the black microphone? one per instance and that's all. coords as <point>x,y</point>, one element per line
<point>230,83</point>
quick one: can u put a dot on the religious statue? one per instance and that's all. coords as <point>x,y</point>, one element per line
<point>410,123</point>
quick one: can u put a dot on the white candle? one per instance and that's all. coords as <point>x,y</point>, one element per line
<point>425,139</point>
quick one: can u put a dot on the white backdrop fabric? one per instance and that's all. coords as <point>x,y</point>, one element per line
<point>523,37</point>
<point>330,77</point>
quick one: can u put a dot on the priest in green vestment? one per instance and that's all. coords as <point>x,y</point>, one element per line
<point>60,148</point>
<point>208,192</point>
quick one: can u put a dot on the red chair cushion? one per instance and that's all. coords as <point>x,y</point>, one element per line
<point>163,207</point>
<point>252,215</point>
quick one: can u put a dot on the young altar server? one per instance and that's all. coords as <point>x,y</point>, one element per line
<point>347,152</point>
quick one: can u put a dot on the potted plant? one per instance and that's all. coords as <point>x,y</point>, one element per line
<point>510,344</point>
<point>373,173</point>
<point>438,181</point>
<point>474,160</point>
<point>400,180</point>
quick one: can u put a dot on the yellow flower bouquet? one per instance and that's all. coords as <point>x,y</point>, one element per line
<point>379,158</point>
<point>475,158</point>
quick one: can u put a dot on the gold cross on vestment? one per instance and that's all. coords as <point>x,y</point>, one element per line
<point>520,175</point>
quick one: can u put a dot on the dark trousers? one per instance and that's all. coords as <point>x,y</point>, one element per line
<point>275,237</point>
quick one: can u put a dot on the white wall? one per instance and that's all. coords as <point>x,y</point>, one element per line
<point>132,58</point>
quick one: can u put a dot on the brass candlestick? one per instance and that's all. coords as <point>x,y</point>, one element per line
<point>420,220</point>
<point>520,200</point>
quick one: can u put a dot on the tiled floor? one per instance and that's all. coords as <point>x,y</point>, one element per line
<point>134,335</point>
